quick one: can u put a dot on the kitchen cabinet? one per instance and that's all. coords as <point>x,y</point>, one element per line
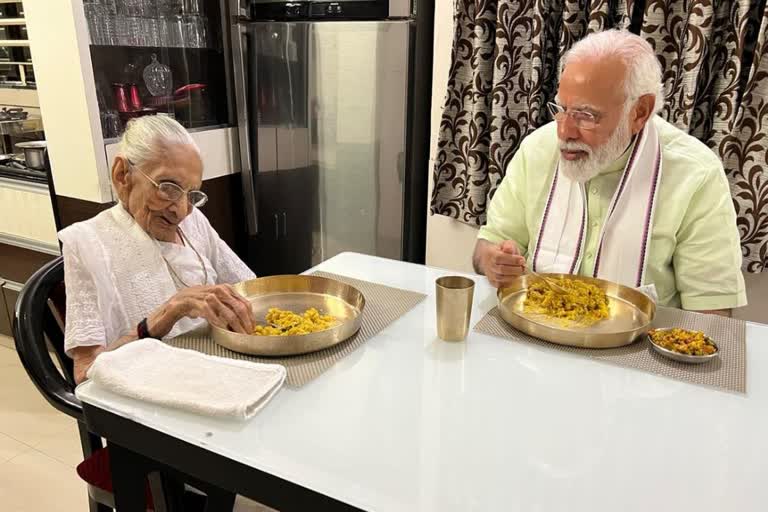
<point>5,313</point>
<point>287,216</point>
<point>17,264</point>
<point>159,57</point>
<point>109,66</point>
<point>9,292</point>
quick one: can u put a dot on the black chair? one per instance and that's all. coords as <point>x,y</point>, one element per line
<point>38,330</point>
<point>39,316</point>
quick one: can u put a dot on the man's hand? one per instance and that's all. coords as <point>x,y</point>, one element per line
<point>500,263</point>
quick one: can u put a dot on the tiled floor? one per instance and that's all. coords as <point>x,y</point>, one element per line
<point>39,446</point>
<point>5,341</point>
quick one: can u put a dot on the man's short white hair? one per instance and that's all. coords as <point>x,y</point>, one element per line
<point>643,68</point>
<point>146,139</point>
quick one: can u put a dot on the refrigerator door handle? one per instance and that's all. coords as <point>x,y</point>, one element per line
<point>277,227</point>
<point>239,47</point>
<point>285,226</point>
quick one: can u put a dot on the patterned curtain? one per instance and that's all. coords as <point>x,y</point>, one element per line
<point>505,58</point>
<point>504,67</point>
<point>715,61</point>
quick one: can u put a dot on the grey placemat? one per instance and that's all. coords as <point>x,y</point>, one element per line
<point>383,305</point>
<point>729,371</point>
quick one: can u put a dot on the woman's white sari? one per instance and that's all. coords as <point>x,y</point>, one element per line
<point>115,274</point>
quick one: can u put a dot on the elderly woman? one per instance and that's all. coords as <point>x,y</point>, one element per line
<point>151,266</point>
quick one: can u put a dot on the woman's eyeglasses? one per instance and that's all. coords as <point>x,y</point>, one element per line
<point>169,191</point>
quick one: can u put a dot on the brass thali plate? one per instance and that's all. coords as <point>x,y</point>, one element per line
<point>297,294</point>
<point>631,315</point>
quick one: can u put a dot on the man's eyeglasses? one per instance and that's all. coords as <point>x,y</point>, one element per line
<point>169,191</point>
<point>583,119</point>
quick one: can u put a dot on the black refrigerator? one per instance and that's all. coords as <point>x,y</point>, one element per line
<point>332,100</point>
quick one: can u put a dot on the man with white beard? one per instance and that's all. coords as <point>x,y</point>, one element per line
<point>613,191</point>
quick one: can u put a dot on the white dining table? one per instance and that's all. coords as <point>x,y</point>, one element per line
<point>408,422</point>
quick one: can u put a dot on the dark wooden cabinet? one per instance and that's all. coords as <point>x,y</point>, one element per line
<point>5,312</point>
<point>264,250</point>
<point>288,218</point>
<point>163,68</point>
<point>9,301</point>
<point>17,264</point>
<point>299,216</point>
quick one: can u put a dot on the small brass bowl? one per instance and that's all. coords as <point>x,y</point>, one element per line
<point>684,358</point>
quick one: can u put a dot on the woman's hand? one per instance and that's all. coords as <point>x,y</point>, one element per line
<point>219,304</point>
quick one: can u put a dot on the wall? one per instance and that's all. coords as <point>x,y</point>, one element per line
<point>60,53</point>
<point>449,242</point>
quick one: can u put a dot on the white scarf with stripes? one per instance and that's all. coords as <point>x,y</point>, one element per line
<point>625,236</point>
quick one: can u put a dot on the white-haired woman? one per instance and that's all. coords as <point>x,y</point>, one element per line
<point>152,265</point>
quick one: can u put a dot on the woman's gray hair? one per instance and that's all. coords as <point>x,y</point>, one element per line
<point>643,68</point>
<point>146,139</point>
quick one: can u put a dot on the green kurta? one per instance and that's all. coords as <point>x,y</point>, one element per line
<point>694,258</point>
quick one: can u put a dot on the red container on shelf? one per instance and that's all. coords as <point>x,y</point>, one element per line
<point>121,98</point>
<point>135,97</point>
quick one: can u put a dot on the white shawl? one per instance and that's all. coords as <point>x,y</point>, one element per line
<point>115,274</point>
<point>623,247</point>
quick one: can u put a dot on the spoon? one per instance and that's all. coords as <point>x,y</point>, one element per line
<point>549,282</point>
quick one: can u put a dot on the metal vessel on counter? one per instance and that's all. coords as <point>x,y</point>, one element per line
<point>296,293</point>
<point>631,315</point>
<point>34,153</point>
<point>13,114</point>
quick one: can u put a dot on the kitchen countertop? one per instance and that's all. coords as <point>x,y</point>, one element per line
<point>18,175</point>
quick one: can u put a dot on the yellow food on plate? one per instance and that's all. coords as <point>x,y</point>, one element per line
<point>584,303</point>
<point>692,343</point>
<point>287,323</point>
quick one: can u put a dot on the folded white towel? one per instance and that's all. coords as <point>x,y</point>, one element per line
<point>150,370</point>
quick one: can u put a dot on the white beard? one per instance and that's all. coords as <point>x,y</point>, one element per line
<point>584,169</point>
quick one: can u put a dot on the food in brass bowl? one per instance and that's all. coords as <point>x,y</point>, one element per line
<point>683,345</point>
<point>287,323</point>
<point>630,314</point>
<point>584,304</point>
<point>296,294</point>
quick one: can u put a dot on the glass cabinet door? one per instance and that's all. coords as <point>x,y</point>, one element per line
<point>159,57</point>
